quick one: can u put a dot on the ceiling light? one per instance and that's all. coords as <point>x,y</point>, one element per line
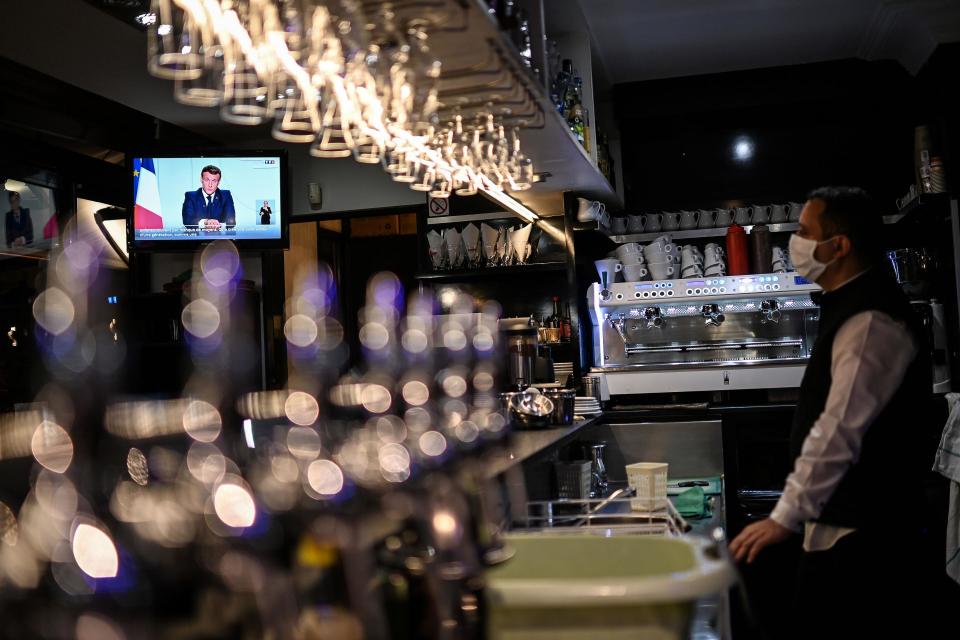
<point>146,19</point>
<point>743,148</point>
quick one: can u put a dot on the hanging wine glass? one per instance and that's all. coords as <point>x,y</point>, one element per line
<point>173,43</point>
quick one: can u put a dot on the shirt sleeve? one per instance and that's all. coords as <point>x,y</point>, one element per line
<point>871,353</point>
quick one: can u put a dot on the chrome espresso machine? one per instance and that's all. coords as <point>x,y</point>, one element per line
<point>702,334</point>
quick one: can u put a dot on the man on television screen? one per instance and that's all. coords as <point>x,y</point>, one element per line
<point>209,207</point>
<point>18,225</point>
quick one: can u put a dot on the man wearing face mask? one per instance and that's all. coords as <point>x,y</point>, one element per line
<point>858,434</point>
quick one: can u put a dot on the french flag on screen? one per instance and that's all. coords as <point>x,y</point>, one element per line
<point>146,210</point>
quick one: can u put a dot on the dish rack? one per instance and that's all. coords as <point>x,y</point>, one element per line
<point>605,516</point>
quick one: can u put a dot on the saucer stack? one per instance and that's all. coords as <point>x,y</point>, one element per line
<point>562,371</point>
<point>586,406</point>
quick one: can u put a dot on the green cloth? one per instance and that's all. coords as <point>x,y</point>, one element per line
<point>691,503</point>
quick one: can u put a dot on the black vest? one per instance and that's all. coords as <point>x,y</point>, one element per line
<point>887,479</point>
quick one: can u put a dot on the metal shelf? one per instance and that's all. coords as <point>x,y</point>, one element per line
<point>473,274</point>
<point>472,217</point>
<point>690,234</point>
<point>923,201</point>
<point>483,50</point>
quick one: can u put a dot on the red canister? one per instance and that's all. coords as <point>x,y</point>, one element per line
<point>738,257</point>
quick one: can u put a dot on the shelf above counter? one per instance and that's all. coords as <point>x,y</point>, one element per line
<point>690,234</point>
<point>488,272</point>
<point>913,210</point>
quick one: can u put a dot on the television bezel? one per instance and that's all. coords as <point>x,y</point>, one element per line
<point>175,246</point>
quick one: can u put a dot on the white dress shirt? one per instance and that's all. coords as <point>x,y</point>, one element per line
<point>870,355</point>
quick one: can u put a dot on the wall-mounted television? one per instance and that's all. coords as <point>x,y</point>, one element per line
<point>184,199</point>
<point>30,226</point>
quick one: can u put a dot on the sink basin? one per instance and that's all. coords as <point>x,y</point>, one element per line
<point>587,586</point>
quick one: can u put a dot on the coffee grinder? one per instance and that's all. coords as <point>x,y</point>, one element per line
<point>527,361</point>
<point>915,269</point>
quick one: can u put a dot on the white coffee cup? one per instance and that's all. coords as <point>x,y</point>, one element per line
<point>609,267</point>
<point>627,249</point>
<point>634,272</point>
<point>693,271</point>
<point>715,265</point>
<point>778,213</point>
<point>707,219</point>
<point>691,249</point>
<point>635,223</point>
<point>689,219</point>
<point>661,270</point>
<point>713,246</point>
<point>671,221</point>
<point>658,247</point>
<point>653,222</point>
<point>690,260</point>
<point>761,214</point>
<point>633,258</point>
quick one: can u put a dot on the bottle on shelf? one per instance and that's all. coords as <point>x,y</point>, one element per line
<point>578,126</point>
<point>566,327</point>
<point>738,261</point>
<point>760,249</point>
<point>561,86</point>
<point>555,318</point>
<point>524,41</point>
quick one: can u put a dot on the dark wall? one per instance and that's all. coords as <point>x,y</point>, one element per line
<point>846,122</point>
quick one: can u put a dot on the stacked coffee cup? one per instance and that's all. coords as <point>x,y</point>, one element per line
<point>663,258</point>
<point>781,261</point>
<point>714,260</point>
<point>632,258</point>
<point>691,262</point>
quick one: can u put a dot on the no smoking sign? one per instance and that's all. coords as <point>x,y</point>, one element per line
<point>438,206</point>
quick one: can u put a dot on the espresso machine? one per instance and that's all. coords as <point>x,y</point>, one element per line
<point>702,334</point>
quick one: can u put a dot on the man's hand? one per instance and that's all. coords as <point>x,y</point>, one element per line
<point>20,241</point>
<point>212,224</point>
<point>757,536</point>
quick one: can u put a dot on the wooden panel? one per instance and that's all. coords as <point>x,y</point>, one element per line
<point>408,224</point>
<point>374,226</point>
<point>332,225</point>
<point>302,253</point>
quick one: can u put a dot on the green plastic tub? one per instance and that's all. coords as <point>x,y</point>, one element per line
<point>566,587</point>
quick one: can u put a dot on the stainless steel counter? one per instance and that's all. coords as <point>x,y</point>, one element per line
<point>524,444</point>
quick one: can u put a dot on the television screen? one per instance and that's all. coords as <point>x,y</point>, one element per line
<point>30,220</point>
<point>184,200</point>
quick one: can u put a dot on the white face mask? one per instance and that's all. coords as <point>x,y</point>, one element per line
<point>801,255</point>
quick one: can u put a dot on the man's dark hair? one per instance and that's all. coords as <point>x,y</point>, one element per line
<point>850,211</point>
<point>12,193</point>
<point>210,169</point>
